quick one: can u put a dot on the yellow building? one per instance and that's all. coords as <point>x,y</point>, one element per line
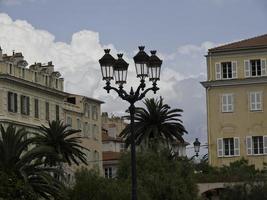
<point>236,92</point>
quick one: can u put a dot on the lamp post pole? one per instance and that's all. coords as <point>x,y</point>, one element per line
<point>146,66</point>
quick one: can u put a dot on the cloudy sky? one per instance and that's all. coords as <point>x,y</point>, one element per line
<point>73,34</point>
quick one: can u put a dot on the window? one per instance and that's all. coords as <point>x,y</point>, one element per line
<point>95,131</point>
<point>86,110</point>
<point>46,80</point>
<point>256,145</point>
<point>108,172</point>
<point>79,125</point>
<point>255,101</point>
<point>25,105</point>
<point>89,131</point>
<point>227,147</point>
<point>255,68</point>
<point>36,108</point>
<point>69,121</point>
<point>56,83</point>
<point>226,70</point>
<point>94,113</point>
<point>122,147</point>
<point>227,103</point>
<point>85,129</point>
<point>35,77</point>
<point>57,112</point>
<point>22,72</point>
<point>12,102</point>
<point>47,113</point>
<point>10,69</point>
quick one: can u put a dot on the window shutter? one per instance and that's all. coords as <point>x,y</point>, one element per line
<point>234,69</point>
<point>21,105</point>
<point>247,68</point>
<point>15,102</point>
<point>9,101</point>
<point>252,100</point>
<point>263,67</point>
<point>220,147</point>
<point>265,144</point>
<point>230,103</point>
<point>28,105</point>
<point>258,98</point>
<point>224,103</point>
<point>218,71</point>
<point>236,146</point>
<point>249,145</point>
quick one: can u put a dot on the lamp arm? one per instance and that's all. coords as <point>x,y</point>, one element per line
<point>154,88</point>
<point>120,91</point>
<point>142,85</point>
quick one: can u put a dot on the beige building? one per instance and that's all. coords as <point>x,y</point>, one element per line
<point>83,113</point>
<point>236,94</point>
<point>112,144</point>
<point>29,96</point>
<point>32,96</point>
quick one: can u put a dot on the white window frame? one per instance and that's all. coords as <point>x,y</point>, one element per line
<point>227,103</point>
<point>219,70</point>
<point>221,146</point>
<point>248,68</point>
<point>256,101</point>
<point>250,145</point>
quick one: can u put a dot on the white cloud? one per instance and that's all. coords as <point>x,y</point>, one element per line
<point>78,63</point>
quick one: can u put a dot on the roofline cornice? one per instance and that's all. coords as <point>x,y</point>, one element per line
<point>33,85</point>
<point>237,51</point>
<point>234,82</point>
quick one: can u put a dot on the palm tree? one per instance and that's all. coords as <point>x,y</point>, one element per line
<point>157,123</point>
<point>19,164</point>
<point>61,138</point>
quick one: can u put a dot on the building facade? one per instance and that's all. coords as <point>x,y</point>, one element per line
<point>33,96</point>
<point>29,96</point>
<point>236,92</point>
<point>83,113</point>
<point>112,144</point>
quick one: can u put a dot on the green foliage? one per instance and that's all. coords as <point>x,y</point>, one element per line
<point>65,144</point>
<point>160,177</point>
<point>91,186</point>
<point>237,171</point>
<point>156,122</point>
<point>20,166</point>
<point>13,188</point>
<point>245,191</point>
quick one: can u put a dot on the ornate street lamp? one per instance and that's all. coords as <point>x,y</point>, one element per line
<point>196,146</point>
<point>146,66</point>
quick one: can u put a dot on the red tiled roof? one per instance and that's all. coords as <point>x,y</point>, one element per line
<point>255,42</point>
<point>110,155</point>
